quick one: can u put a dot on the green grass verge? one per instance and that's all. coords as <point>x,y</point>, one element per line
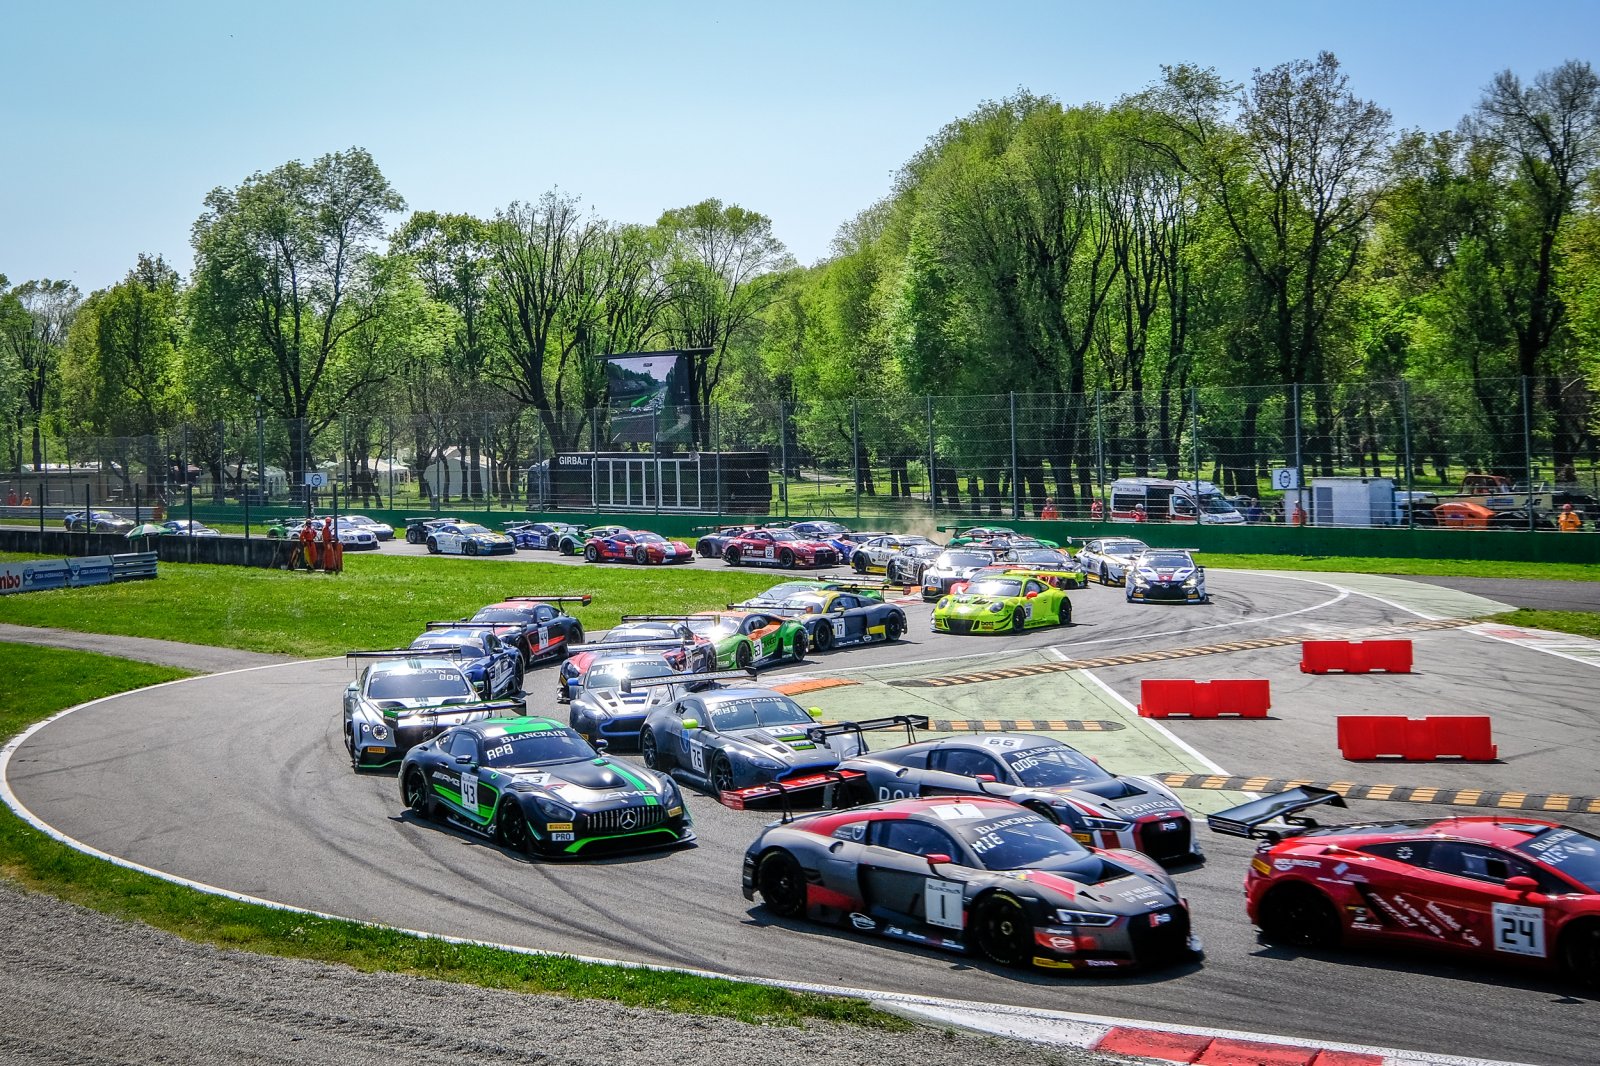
<point>1353,564</point>
<point>54,679</point>
<point>380,601</point>
<point>1582,623</point>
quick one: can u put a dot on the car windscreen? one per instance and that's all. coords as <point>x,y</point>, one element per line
<point>508,615</point>
<point>649,538</point>
<point>1215,504</point>
<point>1166,561</point>
<point>810,604</point>
<point>1041,557</point>
<point>426,684</point>
<point>782,592</point>
<point>624,634</point>
<point>1022,842</point>
<point>1125,547</point>
<point>446,643</point>
<point>472,530</point>
<point>1054,767</point>
<point>533,749</point>
<point>608,674</point>
<point>713,628</point>
<point>784,535</point>
<point>1574,853</point>
<point>757,711</point>
<point>997,587</point>
<point>962,560</point>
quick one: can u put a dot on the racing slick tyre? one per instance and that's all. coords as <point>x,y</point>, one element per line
<point>704,550</point>
<point>893,626</point>
<point>721,775</point>
<point>1299,916</point>
<point>1580,952</point>
<point>470,548</point>
<point>591,554</point>
<point>1105,575</point>
<point>824,637</point>
<point>731,556</point>
<point>417,795</point>
<point>786,559</point>
<point>742,656</point>
<point>1001,930</point>
<point>858,562</point>
<point>640,555</point>
<point>511,828</point>
<point>782,884</point>
<point>519,674</point>
<point>800,646</point>
<point>569,547</point>
<point>1065,617</point>
<point>649,751</point>
<point>350,746</point>
<point>1019,620</point>
<point>433,546</point>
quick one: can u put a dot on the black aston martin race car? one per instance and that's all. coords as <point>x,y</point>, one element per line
<point>539,628</point>
<point>403,698</point>
<point>838,619</point>
<point>537,787</point>
<point>1056,780</point>
<point>977,874</point>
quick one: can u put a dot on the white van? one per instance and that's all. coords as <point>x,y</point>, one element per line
<point>1164,500</point>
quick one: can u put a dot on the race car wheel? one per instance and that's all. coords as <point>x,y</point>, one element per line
<point>721,775</point>
<point>518,674</point>
<point>641,556</point>
<point>470,547</point>
<point>858,562</point>
<point>731,556</point>
<point>648,751</point>
<point>824,637</point>
<point>569,547</point>
<point>786,559</point>
<point>1019,620</point>
<point>800,646</point>
<point>782,884</point>
<point>1001,930</point>
<point>511,828</point>
<point>742,656</point>
<point>893,627</point>
<point>1105,575</point>
<point>350,746</point>
<point>1580,952</point>
<point>591,553</point>
<point>417,795</point>
<point>1299,916</point>
<point>704,549</point>
<point>433,546</point>
<point>1065,617</point>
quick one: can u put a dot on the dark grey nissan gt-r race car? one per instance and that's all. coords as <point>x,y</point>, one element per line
<point>1095,805</point>
<point>979,874</point>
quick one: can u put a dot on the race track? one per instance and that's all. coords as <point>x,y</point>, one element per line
<point>241,781</point>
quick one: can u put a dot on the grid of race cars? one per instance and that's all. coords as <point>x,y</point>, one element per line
<point>1014,847</point>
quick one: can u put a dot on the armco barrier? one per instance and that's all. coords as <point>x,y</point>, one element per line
<point>1378,736</point>
<point>1355,656</point>
<point>1204,699</point>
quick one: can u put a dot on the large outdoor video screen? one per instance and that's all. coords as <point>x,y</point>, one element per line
<point>649,397</point>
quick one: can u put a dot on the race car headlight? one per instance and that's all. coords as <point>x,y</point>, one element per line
<point>942,604</point>
<point>553,811</point>
<point>1113,825</point>
<point>996,608</point>
<point>1191,583</point>
<point>764,763</point>
<point>378,731</point>
<point>1069,917</point>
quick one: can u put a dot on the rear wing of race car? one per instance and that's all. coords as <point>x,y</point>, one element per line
<point>410,653</point>
<point>439,710</point>
<point>1250,819</point>
<point>466,623</point>
<point>819,734</point>
<point>831,782</point>
<point>630,645</point>
<point>668,617</point>
<point>582,601</point>
<point>631,683</point>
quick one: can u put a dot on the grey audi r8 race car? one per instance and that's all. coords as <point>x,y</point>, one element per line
<point>876,553</point>
<point>1057,780</point>
<point>905,567</point>
<point>1107,558</point>
<point>403,698</point>
<point>537,787</point>
<point>976,874</point>
<point>952,565</point>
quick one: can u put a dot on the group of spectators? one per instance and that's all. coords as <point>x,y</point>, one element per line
<point>313,548</point>
<point>13,501</point>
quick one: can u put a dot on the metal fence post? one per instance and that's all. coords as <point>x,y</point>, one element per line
<point>1405,436</point>
<point>933,492</point>
<point>1100,444</point>
<point>1527,445</point>
<point>855,451</point>
<point>1194,446</point>
<point>1299,469</point>
<point>716,450</point>
<point>261,451</point>
<point>1016,495</point>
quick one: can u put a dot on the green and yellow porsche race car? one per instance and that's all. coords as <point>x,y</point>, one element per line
<point>1004,604</point>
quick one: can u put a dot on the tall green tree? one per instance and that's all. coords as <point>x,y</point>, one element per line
<point>287,273</point>
<point>34,319</point>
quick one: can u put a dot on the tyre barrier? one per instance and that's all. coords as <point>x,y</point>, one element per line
<point>1239,698</point>
<point>1355,656</point>
<point>1468,737</point>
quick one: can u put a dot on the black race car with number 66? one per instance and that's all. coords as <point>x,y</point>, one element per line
<point>977,874</point>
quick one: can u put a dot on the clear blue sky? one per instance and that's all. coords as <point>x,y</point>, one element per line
<point>120,117</point>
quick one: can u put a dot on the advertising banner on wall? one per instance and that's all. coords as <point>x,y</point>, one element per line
<point>55,574</point>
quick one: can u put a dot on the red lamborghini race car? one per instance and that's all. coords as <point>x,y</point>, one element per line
<point>1499,886</point>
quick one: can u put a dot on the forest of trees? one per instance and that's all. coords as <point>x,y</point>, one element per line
<point>1199,234</point>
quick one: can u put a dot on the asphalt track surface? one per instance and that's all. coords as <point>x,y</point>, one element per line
<point>240,780</point>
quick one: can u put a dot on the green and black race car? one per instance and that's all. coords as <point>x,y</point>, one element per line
<point>742,638</point>
<point>538,787</point>
<point>1004,604</point>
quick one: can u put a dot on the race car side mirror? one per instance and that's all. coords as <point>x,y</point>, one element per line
<point>464,760</point>
<point>691,723</point>
<point>815,712</point>
<point>602,744</point>
<point>1522,884</point>
<point>1031,595</point>
<point>937,859</point>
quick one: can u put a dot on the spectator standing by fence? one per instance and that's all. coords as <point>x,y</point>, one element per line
<point>1569,521</point>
